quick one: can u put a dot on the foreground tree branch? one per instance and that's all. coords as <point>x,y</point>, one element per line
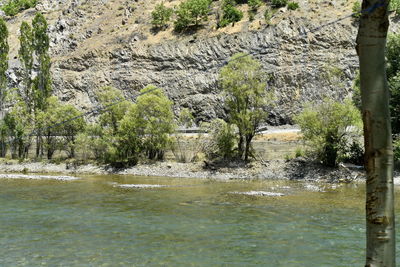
<point>371,42</point>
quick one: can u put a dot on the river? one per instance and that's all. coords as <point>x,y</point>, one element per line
<point>111,221</point>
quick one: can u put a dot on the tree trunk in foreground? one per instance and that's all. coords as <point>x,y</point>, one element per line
<point>371,42</point>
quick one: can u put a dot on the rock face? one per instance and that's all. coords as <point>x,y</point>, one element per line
<point>302,66</point>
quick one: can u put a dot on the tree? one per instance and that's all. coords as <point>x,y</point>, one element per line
<point>4,48</point>
<point>116,107</point>
<point>149,123</point>
<point>19,124</point>
<point>371,42</point>
<point>69,130</point>
<point>244,85</point>
<point>42,83</point>
<point>161,15</point>
<point>41,89</point>
<point>25,55</point>
<point>191,13</point>
<point>326,128</point>
<point>230,13</point>
<point>60,127</point>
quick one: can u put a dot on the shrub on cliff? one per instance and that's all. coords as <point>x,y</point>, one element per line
<point>191,13</point>
<point>13,7</point>
<point>326,128</point>
<point>161,15</point>
<point>279,3</point>
<point>230,13</point>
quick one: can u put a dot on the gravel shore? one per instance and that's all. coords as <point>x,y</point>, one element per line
<point>296,169</point>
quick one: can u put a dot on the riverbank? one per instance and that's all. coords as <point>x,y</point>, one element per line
<point>295,169</point>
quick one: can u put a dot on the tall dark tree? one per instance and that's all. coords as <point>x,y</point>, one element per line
<point>42,83</point>
<point>25,55</point>
<point>371,43</point>
<point>4,48</point>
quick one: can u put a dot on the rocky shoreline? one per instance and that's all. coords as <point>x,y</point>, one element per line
<point>296,169</point>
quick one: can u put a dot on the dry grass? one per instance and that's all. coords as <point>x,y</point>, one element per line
<point>282,137</point>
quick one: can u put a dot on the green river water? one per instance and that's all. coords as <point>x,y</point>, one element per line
<point>191,222</point>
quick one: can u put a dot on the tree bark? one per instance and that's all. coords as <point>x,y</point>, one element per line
<point>371,42</point>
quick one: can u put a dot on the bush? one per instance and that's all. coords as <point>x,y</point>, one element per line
<point>395,6</point>
<point>254,4</point>
<point>279,3</point>
<point>13,7</point>
<point>147,125</point>
<point>268,15</point>
<point>396,149</point>
<point>191,13</point>
<point>161,16</point>
<point>221,143</point>
<point>356,10</point>
<point>230,14</point>
<point>326,128</point>
<point>293,5</point>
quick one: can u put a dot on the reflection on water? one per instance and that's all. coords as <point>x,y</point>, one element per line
<point>189,222</point>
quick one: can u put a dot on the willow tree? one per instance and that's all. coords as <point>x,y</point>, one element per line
<point>4,48</point>
<point>371,43</point>
<point>244,85</point>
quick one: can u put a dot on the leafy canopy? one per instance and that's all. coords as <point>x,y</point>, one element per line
<point>244,84</point>
<point>191,13</point>
<point>161,15</point>
<point>325,127</point>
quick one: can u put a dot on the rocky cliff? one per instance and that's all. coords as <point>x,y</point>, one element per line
<point>95,43</point>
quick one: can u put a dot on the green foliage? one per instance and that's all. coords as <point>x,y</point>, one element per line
<point>4,48</point>
<point>191,13</point>
<point>354,153</point>
<point>161,15</point>
<point>396,149</point>
<point>395,6</point>
<point>109,97</point>
<point>325,128</point>
<point>230,13</point>
<point>299,152</point>
<point>356,10</point>
<point>254,4</point>
<point>244,85</point>
<point>18,122</point>
<point>279,3</point>
<point>3,138</point>
<point>393,77</point>
<point>69,131</point>
<point>221,141</point>
<point>25,55</point>
<point>268,15</point>
<point>13,7</point>
<point>293,5</point>
<point>186,118</point>
<point>42,83</point>
<point>147,124</point>
<point>59,136</point>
